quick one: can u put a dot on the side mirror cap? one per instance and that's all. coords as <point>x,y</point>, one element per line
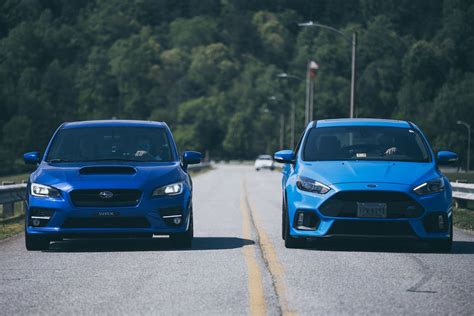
<point>191,158</point>
<point>447,157</point>
<point>284,156</point>
<point>32,158</point>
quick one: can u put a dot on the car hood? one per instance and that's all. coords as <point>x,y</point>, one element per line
<point>335,172</point>
<point>66,176</point>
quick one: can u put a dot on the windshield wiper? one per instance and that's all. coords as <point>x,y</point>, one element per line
<point>113,159</point>
<point>59,160</point>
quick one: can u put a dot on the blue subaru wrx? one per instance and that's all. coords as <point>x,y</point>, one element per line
<point>109,178</point>
<point>365,178</point>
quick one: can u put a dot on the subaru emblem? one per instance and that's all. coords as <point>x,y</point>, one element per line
<point>106,194</point>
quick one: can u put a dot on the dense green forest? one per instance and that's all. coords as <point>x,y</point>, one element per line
<point>209,67</point>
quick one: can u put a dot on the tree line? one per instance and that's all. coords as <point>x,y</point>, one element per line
<point>209,67</point>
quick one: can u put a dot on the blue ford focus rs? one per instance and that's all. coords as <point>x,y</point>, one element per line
<point>365,178</point>
<point>109,178</point>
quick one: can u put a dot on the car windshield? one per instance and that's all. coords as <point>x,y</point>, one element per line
<point>365,143</point>
<point>144,144</point>
<point>265,157</point>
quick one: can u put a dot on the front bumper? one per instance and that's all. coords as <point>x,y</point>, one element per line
<point>433,205</point>
<point>149,216</point>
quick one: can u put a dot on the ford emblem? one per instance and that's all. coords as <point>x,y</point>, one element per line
<point>106,194</point>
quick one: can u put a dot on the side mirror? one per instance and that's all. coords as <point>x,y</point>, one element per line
<point>191,158</point>
<point>447,157</point>
<point>32,158</point>
<point>284,156</point>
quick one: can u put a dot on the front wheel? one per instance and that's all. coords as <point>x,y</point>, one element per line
<point>184,240</point>
<point>35,243</point>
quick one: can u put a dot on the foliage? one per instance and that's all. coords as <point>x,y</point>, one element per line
<point>208,68</point>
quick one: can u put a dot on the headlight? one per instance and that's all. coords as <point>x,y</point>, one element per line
<point>41,190</point>
<point>307,184</point>
<point>432,186</point>
<point>170,189</point>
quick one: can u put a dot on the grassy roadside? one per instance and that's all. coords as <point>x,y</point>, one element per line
<point>464,219</point>
<point>15,226</point>
<point>11,229</point>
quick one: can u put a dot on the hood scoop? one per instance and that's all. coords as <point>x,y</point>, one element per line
<point>107,170</point>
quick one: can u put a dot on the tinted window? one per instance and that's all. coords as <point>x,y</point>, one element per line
<point>110,143</point>
<point>365,143</point>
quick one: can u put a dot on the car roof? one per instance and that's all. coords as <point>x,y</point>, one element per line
<point>362,122</point>
<point>106,123</point>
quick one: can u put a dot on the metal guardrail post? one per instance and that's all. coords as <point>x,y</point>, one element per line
<point>8,209</point>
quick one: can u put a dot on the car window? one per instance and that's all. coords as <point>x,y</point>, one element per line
<point>365,143</point>
<point>145,144</point>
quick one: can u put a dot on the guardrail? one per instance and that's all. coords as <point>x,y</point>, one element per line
<point>11,193</point>
<point>462,193</point>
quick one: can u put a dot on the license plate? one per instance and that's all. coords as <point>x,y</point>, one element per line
<point>107,213</point>
<point>374,210</point>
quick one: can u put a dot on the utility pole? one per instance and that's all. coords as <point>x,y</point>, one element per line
<point>468,143</point>
<point>353,74</point>
<point>353,43</point>
<point>293,110</point>
<point>310,77</point>
<point>293,107</point>
<point>282,130</point>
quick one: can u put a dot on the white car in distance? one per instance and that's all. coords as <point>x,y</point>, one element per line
<point>264,162</point>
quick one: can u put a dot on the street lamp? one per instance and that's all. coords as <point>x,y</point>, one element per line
<point>353,42</point>
<point>284,75</point>
<point>468,142</point>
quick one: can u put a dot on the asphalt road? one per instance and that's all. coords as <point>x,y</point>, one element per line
<point>238,265</point>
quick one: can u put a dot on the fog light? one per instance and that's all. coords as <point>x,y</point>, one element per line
<point>441,222</point>
<point>177,220</point>
<point>306,220</point>
<point>36,222</point>
<point>300,219</point>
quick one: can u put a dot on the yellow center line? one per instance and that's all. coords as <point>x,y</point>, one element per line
<point>274,266</point>
<point>255,282</point>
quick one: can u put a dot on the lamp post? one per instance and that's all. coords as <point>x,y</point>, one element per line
<point>353,42</point>
<point>468,143</point>
<point>284,75</point>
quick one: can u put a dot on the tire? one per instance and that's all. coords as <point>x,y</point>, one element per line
<point>184,240</point>
<point>291,242</point>
<point>443,245</point>
<point>35,243</point>
<point>283,220</point>
<point>258,169</point>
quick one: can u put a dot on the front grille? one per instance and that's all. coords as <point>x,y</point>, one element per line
<point>92,197</point>
<point>115,222</point>
<point>344,204</point>
<point>367,228</point>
